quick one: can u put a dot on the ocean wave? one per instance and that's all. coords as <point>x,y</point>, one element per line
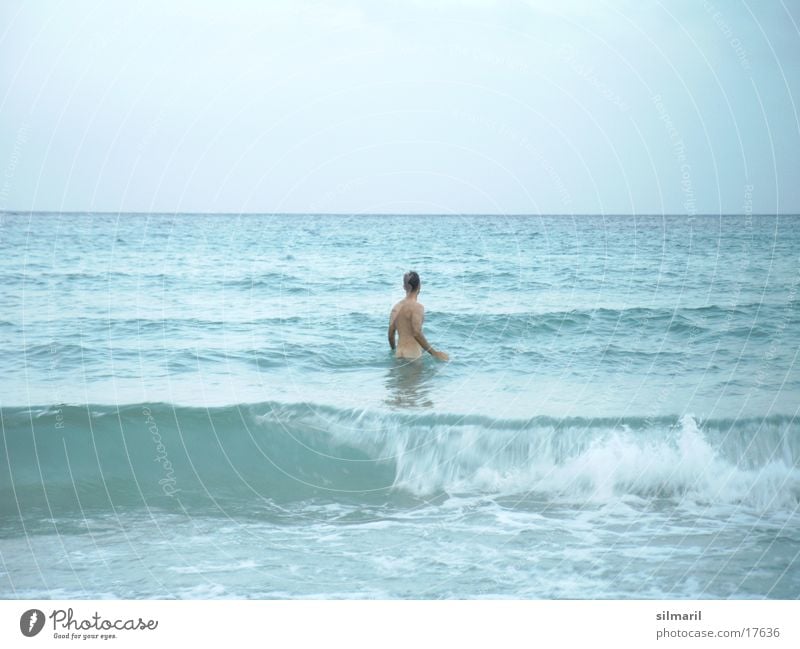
<point>603,322</point>
<point>282,282</point>
<point>159,454</point>
<point>736,321</point>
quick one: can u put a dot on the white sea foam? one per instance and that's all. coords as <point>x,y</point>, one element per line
<point>580,463</point>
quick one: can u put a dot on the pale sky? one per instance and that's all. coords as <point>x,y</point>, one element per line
<point>434,106</point>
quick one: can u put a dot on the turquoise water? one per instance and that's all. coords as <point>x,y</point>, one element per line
<point>206,406</point>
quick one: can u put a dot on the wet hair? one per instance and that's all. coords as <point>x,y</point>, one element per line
<point>411,281</point>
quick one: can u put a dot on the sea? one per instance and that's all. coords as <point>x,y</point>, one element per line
<point>206,406</point>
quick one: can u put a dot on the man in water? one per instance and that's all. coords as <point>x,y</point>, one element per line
<point>406,320</point>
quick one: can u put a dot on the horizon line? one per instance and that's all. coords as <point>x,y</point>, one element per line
<point>492,214</point>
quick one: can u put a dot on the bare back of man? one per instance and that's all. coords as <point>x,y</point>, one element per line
<point>406,322</point>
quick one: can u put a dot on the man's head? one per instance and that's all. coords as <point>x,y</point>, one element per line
<point>411,282</point>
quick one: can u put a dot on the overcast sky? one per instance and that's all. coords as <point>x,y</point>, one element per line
<point>435,106</point>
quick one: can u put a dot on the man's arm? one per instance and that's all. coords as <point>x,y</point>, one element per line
<point>416,326</point>
<point>392,327</point>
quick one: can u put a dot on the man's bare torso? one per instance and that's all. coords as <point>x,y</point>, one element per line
<point>407,316</point>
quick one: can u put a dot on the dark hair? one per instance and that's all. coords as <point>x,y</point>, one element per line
<point>411,281</point>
